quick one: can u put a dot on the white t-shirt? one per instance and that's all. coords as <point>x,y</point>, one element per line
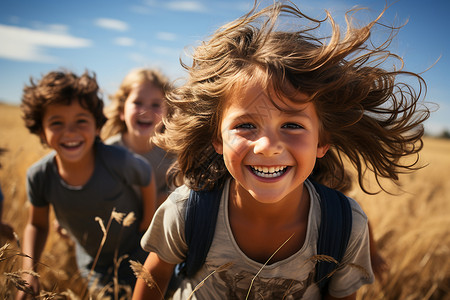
<point>291,278</point>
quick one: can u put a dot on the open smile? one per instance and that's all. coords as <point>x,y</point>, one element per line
<point>71,145</point>
<point>144,123</point>
<point>268,172</point>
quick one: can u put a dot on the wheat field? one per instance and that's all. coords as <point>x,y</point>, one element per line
<point>411,225</point>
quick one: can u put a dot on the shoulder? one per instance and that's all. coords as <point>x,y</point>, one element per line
<point>178,198</point>
<point>124,163</point>
<point>359,217</point>
<point>42,166</point>
<point>117,155</point>
<point>165,235</point>
<point>174,208</point>
<point>110,150</point>
<point>158,151</point>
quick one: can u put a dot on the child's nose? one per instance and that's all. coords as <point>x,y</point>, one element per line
<point>267,145</point>
<point>71,128</point>
<point>145,109</point>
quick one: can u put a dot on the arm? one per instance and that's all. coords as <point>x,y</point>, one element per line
<point>5,229</point>
<point>148,204</point>
<point>161,273</point>
<point>35,236</point>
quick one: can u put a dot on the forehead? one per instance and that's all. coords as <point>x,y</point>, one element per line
<point>254,96</point>
<point>61,109</point>
<point>146,90</point>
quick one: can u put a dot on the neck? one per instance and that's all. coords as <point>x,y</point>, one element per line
<point>137,144</point>
<point>76,173</point>
<point>287,211</point>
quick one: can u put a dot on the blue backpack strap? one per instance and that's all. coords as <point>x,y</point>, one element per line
<point>200,224</point>
<point>334,233</point>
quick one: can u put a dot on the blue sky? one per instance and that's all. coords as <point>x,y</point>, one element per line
<point>110,37</point>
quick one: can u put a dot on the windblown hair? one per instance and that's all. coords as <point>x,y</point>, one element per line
<point>60,87</point>
<point>367,116</point>
<point>115,125</point>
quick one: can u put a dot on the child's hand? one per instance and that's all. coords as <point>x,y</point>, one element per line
<point>6,231</point>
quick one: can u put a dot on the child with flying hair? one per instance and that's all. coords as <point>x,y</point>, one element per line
<point>265,114</point>
<point>84,181</point>
<point>135,114</point>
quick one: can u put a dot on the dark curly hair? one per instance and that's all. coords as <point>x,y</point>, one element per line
<point>60,87</point>
<point>368,116</point>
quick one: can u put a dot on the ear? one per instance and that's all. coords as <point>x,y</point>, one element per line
<point>43,138</point>
<point>218,146</point>
<point>322,150</point>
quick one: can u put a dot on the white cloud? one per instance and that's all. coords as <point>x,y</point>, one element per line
<point>166,51</point>
<point>138,58</point>
<point>25,44</point>
<point>191,6</point>
<point>112,24</point>
<point>124,41</point>
<point>166,36</point>
<point>141,9</point>
<point>54,28</point>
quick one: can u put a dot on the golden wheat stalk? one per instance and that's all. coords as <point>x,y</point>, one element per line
<point>21,284</point>
<point>265,264</point>
<point>4,251</point>
<point>117,262</point>
<point>102,242</point>
<point>201,283</point>
<point>126,221</point>
<point>322,257</point>
<point>118,216</point>
<point>129,220</point>
<point>141,273</point>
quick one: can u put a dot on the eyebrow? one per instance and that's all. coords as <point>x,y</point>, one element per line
<point>299,112</point>
<point>82,114</point>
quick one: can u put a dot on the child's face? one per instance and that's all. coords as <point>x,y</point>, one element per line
<point>270,153</point>
<point>143,110</point>
<point>70,130</point>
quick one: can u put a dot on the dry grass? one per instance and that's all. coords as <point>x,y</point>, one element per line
<point>412,228</point>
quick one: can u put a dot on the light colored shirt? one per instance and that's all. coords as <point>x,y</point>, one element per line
<point>290,278</point>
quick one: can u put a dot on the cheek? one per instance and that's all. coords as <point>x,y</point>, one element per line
<point>158,115</point>
<point>129,113</point>
<point>234,149</point>
<point>122,114</point>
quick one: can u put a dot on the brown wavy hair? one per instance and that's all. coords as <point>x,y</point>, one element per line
<point>367,115</point>
<point>115,125</point>
<point>60,87</point>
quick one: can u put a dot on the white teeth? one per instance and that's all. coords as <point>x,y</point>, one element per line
<point>72,144</point>
<point>269,172</point>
